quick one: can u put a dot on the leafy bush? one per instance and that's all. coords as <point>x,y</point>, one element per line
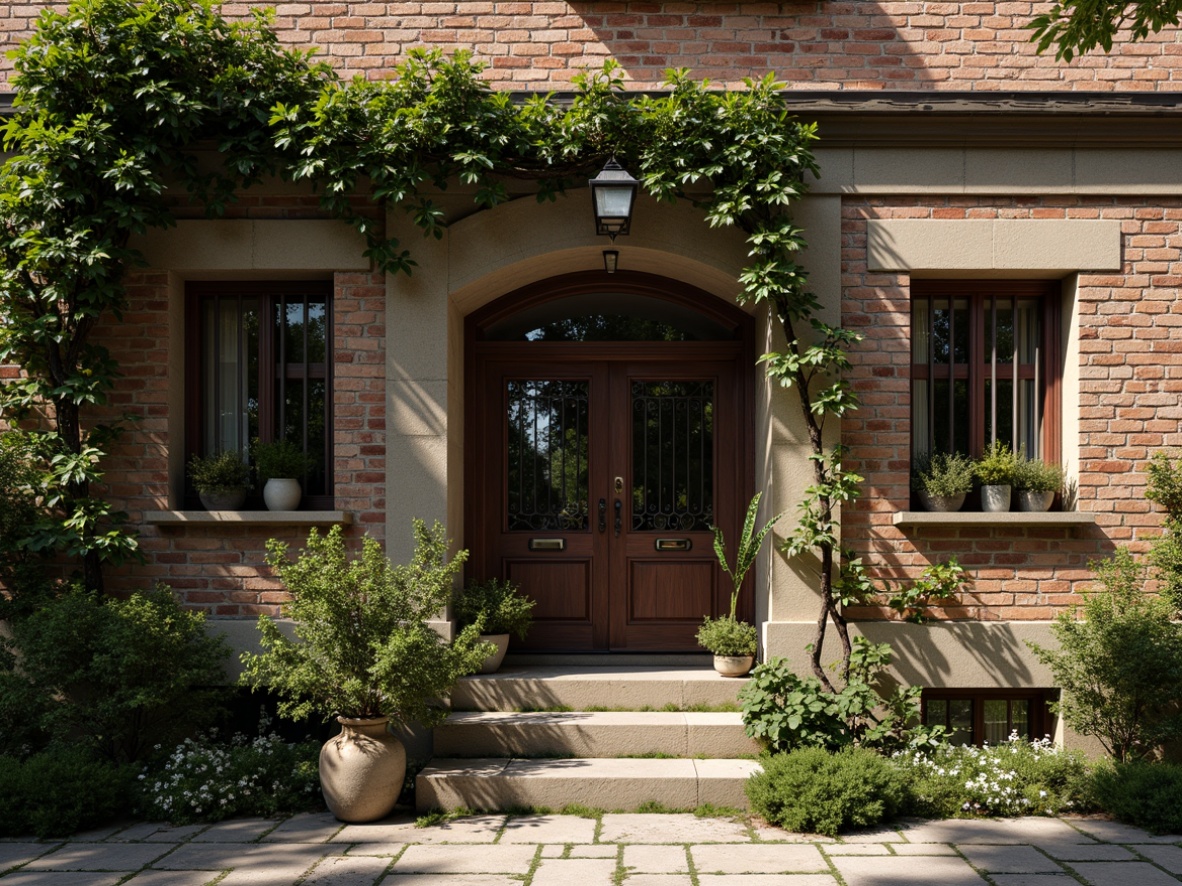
<point>58,792</point>
<point>784,711</point>
<point>362,646</point>
<point>1036,475</point>
<point>280,459</point>
<point>1148,795</point>
<point>22,571</point>
<point>1165,555</point>
<point>942,475</point>
<point>1014,778</point>
<point>117,676</point>
<point>1120,666</point>
<point>204,780</point>
<point>728,636</point>
<point>811,790</point>
<point>997,465</point>
<point>494,607</point>
<point>220,472</point>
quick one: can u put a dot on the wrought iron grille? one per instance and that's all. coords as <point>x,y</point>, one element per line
<point>547,454</point>
<point>672,455</point>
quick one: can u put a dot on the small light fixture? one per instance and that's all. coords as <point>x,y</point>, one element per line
<point>611,260</point>
<point>613,192</point>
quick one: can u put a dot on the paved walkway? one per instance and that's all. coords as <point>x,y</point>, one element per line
<point>626,850</point>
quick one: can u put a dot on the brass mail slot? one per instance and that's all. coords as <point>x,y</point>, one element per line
<point>547,544</point>
<point>673,544</point>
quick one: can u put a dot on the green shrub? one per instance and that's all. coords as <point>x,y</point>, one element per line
<point>22,572</point>
<point>1148,795</point>
<point>1016,777</point>
<point>728,636</point>
<point>784,711</point>
<point>58,792</point>
<point>1036,475</point>
<point>943,475</point>
<point>205,780</point>
<point>495,607</point>
<point>219,472</point>
<point>280,459</point>
<point>117,676</point>
<point>997,465</point>
<point>811,790</point>
<point>1120,666</point>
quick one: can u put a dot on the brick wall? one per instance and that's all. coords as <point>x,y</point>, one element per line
<point>814,44</point>
<point>220,568</point>
<point>1130,389</point>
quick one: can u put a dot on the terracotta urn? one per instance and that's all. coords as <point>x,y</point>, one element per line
<point>362,770</point>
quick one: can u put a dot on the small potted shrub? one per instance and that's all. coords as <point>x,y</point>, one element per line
<point>221,480</point>
<point>995,469</point>
<point>363,653</point>
<point>280,465</point>
<point>735,642</point>
<point>496,609</point>
<point>1037,483</point>
<point>942,481</point>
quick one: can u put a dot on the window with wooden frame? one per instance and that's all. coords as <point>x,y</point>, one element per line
<point>259,367</point>
<point>980,716</point>
<point>985,366</point>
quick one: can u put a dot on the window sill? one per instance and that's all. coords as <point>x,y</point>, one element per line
<point>247,518</point>
<point>1002,518</point>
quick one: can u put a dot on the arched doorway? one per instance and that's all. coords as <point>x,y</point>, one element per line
<point>609,427</point>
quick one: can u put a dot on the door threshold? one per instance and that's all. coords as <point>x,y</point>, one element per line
<point>610,659</point>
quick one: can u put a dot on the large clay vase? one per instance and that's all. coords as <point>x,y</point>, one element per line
<point>362,770</point>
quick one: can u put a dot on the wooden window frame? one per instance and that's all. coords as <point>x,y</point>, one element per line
<point>1040,718</point>
<point>269,293</point>
<point>1049,293</point>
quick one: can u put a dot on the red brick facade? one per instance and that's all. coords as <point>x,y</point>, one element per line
<point>812,44</point>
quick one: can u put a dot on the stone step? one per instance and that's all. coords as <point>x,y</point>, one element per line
<point>610,784</point>
<point>577,688</point>
<point>596,734</point>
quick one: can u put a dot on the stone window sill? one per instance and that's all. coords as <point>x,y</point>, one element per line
<point>247,518</point>
<point>1004,518</point>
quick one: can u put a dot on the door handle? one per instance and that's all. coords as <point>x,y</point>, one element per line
<point>619,516</point>
<point>603,515</point>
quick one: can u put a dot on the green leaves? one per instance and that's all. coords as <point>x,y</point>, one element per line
<point>1075,27</point>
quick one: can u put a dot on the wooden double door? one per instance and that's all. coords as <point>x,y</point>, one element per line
<point>597,471</point>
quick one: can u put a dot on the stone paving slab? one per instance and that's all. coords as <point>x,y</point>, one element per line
<point>238,830</point>
<point>549,829</point>
<point>172,878</point>
<point>610,850</point>
<point>465,860</point>
<point>944,871</point>
<point>219,857</point>
<point>309,828</point>
<point>1168,857</point>
<point>12,854</point>
<point>1034,880</point>
<point>765,880</point>
<point>1127,873</point>
<point>857,849</point>
<point>1009,860</point>
<point>340,871</point>
<point>756,859</point>
<point>656,859</point>
<point>402,830</point>
<point>640,828</point>
<point>1087,852</point>
<point>993,830</point>
<point>584,871</point>
<point>1119,832</point>
<point>98,857</point>
<point>155,832</point>
<point>659,880</point>
<point>62,878</point>
<point>450,880</point>
<point>912,849</point>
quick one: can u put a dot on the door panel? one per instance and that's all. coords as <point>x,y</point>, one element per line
<point>599,474</point>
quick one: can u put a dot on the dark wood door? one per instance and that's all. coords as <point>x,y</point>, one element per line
<point>598,470</point>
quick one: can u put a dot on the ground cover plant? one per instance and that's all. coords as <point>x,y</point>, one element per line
<point>1148,795</point>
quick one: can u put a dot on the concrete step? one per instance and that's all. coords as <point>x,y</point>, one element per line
<point>581,734</point>
<point>611,784</point>
<point>578,688</point>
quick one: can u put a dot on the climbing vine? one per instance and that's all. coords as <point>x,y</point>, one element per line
<point>115,99</point>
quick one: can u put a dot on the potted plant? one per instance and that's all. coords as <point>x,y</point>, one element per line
<point>1037,483</point>
<point>995,469</point>
<point>942,481</point>
<point>221,480</point>
<point>734,642</point>
<point>280,465</point>
<point>362,652</point>
<point>496,609</point>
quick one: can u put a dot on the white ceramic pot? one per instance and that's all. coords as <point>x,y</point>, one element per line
<point>733,665</point>
<point>941,503</point>
<point>362,770</point>
<point>222,499</point>
<point>282,494</point>
<point>995,498</point>
<point>1033,500</point>
<point>493,662</point>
